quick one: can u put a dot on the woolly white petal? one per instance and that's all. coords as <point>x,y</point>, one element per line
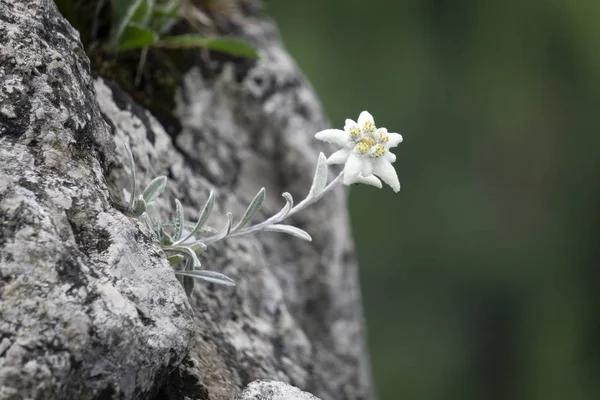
<point>352,169</point>
<point>349,124</point>
<point>395,139</point>
<point>367,167</point>
<point>339,157</point>
<point>335,136</point>
<point>369,180</point>
<point>386,171</point>
<point>389,156</point>
<point>364,117</point>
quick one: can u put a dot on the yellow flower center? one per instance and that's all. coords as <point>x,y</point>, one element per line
<point>378,150</point>
<point>382,135</point>
<point>355,132</point>
<point>369,126</point>
<point>365,145</point>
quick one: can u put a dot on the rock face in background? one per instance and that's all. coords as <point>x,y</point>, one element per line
<point>89,307</point>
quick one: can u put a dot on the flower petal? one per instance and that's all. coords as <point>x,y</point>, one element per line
<point>349,124</point>
<point>395,139</point>
<point>364,117</point>
<point>352,169</point>
<point>389,156</point>
<point>339,157</point>
<point>367,168</point>
<point>335,136</point>
<point>386,171</point>
<point>369,180</point>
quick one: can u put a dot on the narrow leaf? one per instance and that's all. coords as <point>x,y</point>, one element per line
<point>232,46</point>
<point>178,221</point>
<point>289,203</point>
<point>123,11</point>
<point>133,178</point>
<point>164,14</point>
<point>187,283</point>
<point>167,240</point>
<point>142,13</point>
<point>209,276</point>
<point>154,188</point>
<point>320,178</point>
<point>136,37</point>
<point>204,214</point>
<point>252,209</point>
<point>290,230</point>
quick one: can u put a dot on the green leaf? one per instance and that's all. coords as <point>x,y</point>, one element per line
<point>290,230</point>
<point>320,178</point>
<point>154,188</point>
<point>198,248</point>
<point>209,276</point>
<point>186,252</point>
<point>231,46</point>
<point>175,259</point>
<point>139,207</point>
<point>136,37</point>
<point>164,13</point>
<point>167,240</point>
<point>252,209</point>
<point>179,221</point>
<point>142,13</point>
<point>126,12</point>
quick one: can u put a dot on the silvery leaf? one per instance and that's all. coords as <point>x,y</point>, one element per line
<point>186,282</point>
<point>289,204</point>
<point>320,178</point>
<point>178,221</point>
<point>204,214</point>
<point>198,248</point>
<point>154,188</point>
<point>133,178</point>
<point>291,230</point>
<point>252,209</point>
<point>209,276</point>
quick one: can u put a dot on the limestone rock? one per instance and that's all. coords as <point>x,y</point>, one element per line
<point>89,307</point>
<point>273,390</point>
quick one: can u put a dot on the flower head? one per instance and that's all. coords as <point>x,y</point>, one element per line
<point>365,151</point>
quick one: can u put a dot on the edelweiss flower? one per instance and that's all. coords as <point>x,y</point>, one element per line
<point>365,151</point>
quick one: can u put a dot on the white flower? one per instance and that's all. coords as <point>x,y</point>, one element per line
<point>365,151</point>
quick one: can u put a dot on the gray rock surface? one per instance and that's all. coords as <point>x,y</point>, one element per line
<point>89,307</point>
<point>273,390</point>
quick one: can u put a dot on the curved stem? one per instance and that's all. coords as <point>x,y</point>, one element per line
<point>298,207</point>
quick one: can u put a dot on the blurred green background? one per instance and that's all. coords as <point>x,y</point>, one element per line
<point>481,278</point>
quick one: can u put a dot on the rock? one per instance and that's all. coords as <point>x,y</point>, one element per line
<point>89,307</point>
<point>273,390</point>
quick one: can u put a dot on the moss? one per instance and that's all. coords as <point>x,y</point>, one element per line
<point>160,73</point>
<point>152,82</point>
